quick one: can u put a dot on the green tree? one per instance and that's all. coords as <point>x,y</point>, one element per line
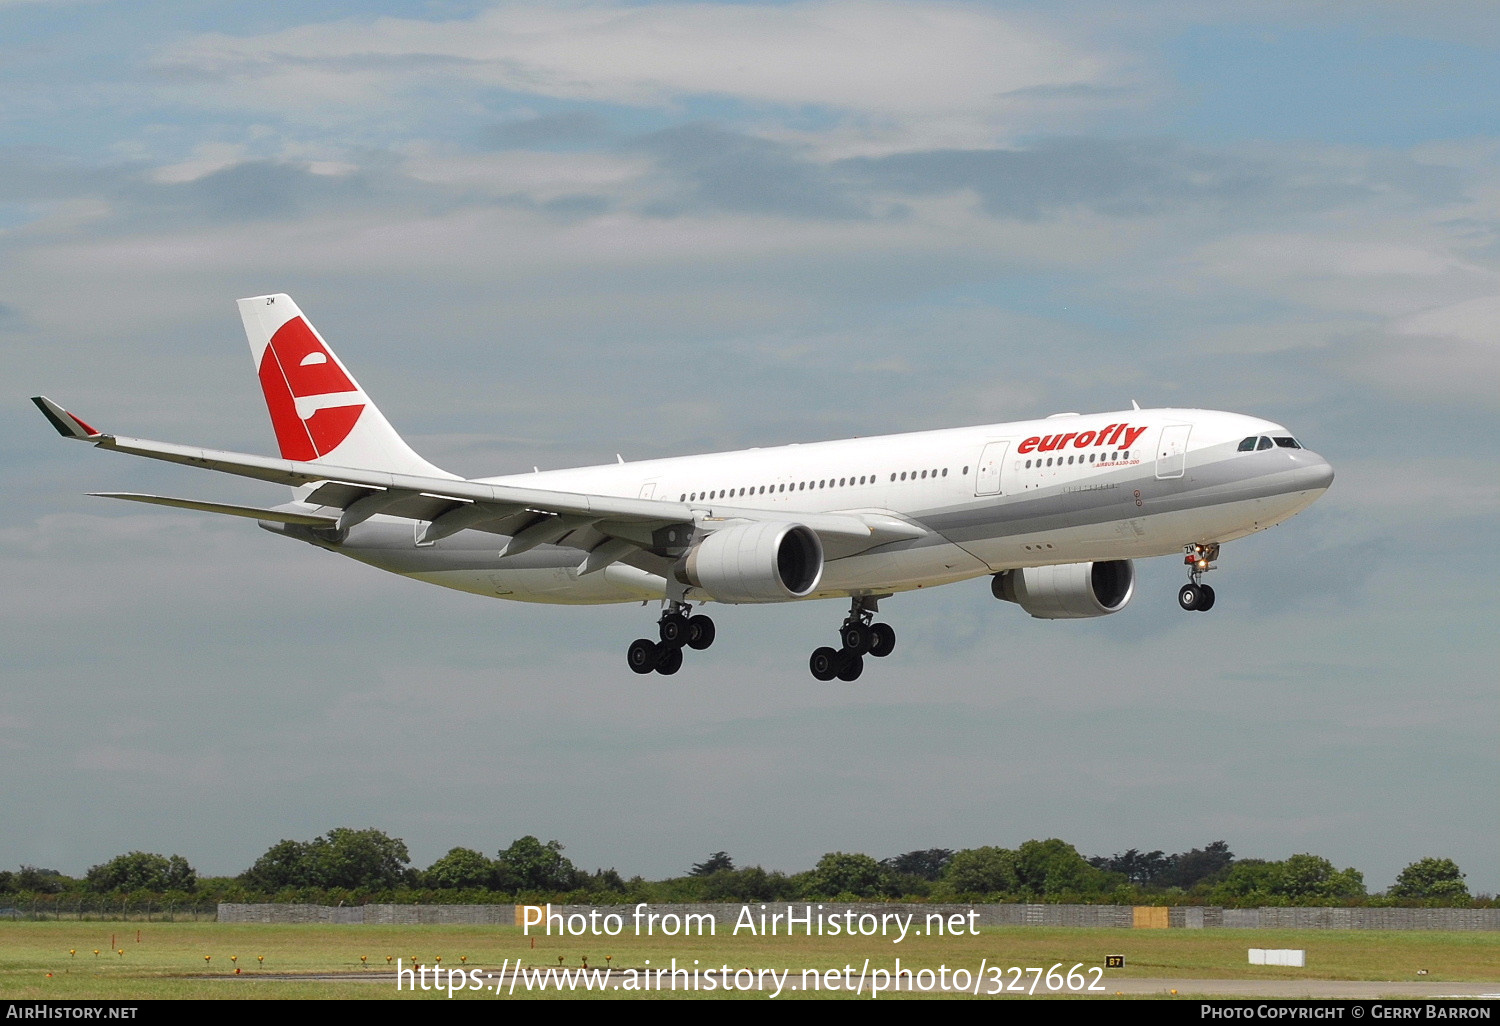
<point>362,858</point>
<point>285,864</point>
<point>1198,865</point>
<point>143,871</point>
<point>718,862</point>
<point>1308,877</point>
<point>343,857</point>
<point>39,880</point>
<point>461,867</point>
<point>846,873</point>
<point>927,864</point>
<point>1431,879</point>
<point>1248,882</point>
<point>1052,868</point>
<point>986,870</point>
<point>1300,880</point>
<point>530,865</point>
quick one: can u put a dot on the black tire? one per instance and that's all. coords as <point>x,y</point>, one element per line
<point>1206,600</point>
<point>668,660</point>
<point>700,632</point>
<point>1190,597</point>
<point>882,640</point>
<point>642,655</point>
<point>855,638</point>
<point>673,630</point>
<point>853,666</point>
<point>824,663</point>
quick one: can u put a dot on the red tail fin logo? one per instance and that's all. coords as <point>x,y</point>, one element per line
<point>313,403</point>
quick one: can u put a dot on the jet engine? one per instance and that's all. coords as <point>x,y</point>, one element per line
<point>759,562</point>
<point>1070,591</point>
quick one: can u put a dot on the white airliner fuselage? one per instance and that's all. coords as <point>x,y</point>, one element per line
<point>1055,508</point>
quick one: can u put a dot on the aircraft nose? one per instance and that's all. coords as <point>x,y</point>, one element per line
<point>1316,472</point>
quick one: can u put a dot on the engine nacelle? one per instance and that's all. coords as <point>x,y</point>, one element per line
<point>1070,591</point>
<point>761,562</point>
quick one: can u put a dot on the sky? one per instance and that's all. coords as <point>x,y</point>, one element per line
<point>544,234</point>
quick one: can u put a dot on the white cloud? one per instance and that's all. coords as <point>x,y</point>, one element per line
<point>1473,320</point>
<point>956,68</point>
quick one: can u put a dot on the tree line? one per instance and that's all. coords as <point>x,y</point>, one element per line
<point>358,866</point>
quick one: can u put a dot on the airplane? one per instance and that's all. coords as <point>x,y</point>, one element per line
<point>1054,510</point>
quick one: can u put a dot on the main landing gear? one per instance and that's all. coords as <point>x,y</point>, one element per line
<point>1199,559</point>
<point>677,631</point>
<point>859,636</point>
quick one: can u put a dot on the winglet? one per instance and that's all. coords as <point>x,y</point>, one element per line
<point>68,425</point>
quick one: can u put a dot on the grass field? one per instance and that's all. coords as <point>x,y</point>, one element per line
<point>197,960</point>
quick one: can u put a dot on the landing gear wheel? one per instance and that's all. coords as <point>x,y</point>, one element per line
<point>700,632</point>
<point>852,667</point>
<point>674,630</point>
<point>1190,597</point>
<point>824,663</point>
<point>668,659</point>
<point>882,640</point>
<point>642,655</point>
<point>1206,598</point>
<point>856,638</point>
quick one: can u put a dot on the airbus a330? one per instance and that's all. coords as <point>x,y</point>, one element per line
<point>1054,510</point>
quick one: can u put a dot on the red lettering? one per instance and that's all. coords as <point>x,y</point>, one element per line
<point>1028,445</point>
<point>1131,434</point>
<point>1047,444</point>
<point>1064,439</point>
<point>1084,440</point>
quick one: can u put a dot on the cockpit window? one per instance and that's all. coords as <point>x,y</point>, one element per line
<point>1248,444</point>
<point>1265,443</point>
<point>1288,443</point>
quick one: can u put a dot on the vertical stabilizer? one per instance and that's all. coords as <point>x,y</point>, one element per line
<point>318,410</point>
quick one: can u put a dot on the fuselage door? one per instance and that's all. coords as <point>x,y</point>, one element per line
<point>648,490</point>
<point>991,461</point>
<point>1171,451</point>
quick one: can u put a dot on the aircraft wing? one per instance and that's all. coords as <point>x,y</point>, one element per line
<point>529,516</point>
<point>279,516</point>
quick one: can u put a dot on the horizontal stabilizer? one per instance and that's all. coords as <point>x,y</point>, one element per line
<point>278,516</point>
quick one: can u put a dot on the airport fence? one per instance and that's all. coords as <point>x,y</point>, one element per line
<point>725,915</point>
<point>101,907</point>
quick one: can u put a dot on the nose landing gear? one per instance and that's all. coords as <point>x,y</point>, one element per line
<point>677,630</point>
<point>1199,559</point>
<point>859,636</point>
